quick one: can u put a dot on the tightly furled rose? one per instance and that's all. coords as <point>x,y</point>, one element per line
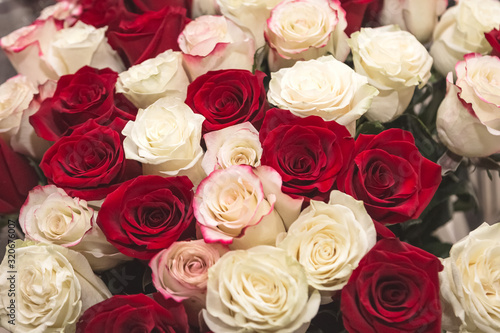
<point>360,13</point>
<point>469,283</point>
<point>493,37</point>
<point>273,282</point>
<point>395,63</point>
<point>468,120</point>
<point>329,240</point>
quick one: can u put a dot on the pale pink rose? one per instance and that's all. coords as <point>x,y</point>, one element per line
<point>213,42</point>
<point>67,11</point>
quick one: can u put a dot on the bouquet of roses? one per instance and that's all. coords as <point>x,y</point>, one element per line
<point>249,166</point>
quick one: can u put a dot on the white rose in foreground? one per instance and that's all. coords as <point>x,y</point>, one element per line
<point>15,96</point>
<point>468,119</point>
<point>323,87</point>
<point>470,292</point>
<point>329,240</point>
<point>305,29</point>
<point>259,290</point>
<point>147,82</point>
<point>165,138</point>
<point>213,42</point>
<point>249,14</point>
<point>395,63</point>
<point>461,31</point>
<point>233,145</point>
<point>53,286</point>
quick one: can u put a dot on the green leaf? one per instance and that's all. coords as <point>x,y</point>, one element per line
<point>370,127</point>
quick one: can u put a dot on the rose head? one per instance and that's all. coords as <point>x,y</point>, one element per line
<point>100,13</point>
<point>493,37</point>
<point>308,153</point>
<point>390,176</point>
<point>394,289</point>
<point>147,214</point>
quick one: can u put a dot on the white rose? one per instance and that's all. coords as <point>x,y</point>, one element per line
<point>473,131</point>
<point>211,43</point>
<point>69,11</point>
<point>470,292</point>
<point>147,82</point>
<point>15,96</point>
<point>395,63</point>
<point>249,14</point>
<point>165,138</point>
<point>329,240</point>
<point>53,287</point>
<point>323,87</point>
<point>233,145</point>
<point>259,290</point>
<point>305,29</point>
<point>461,31</point>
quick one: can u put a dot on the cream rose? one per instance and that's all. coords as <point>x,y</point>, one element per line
<point>213,42</point>
<point>15,96</point>
<point>323,87</point>
<point>472,131</point>
<point>53,287</point>
<point>304,30</point>
<point>147,82</point>
<point>395,63</point>
<point>329,240</point>
<point>470,291</point>
<point>165,138</point>
<point>233,145</point>
<point>259,290</point>
<point>461,31</point>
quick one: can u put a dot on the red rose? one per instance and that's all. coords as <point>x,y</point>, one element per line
<point>394,289</point>
<point>133,313</point>
<point>148,34</point>
<point>100,13</point>
<point>87,94</point>
<point>147,214</point>
<point>390,176</point>
<point>228,97</point>
<point>360,11</point>
<point>155,5</point>
<point>308,153</point>
<point>17,178</point>
<point>493,37</point>
<point>90,163</point>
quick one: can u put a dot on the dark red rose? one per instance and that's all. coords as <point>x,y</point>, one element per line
<point>147,214</point>
<point>100,13</point>
<point>390,176</point>
<point>134,313</point>
<point>87,94</point>
<point>148,34</point>
<point>359,12</point>
<point>309,153</point>
<point>493,37</point>
<point>394,289</point>
<point>90,163</point>
<point>228,97</point>
<point>156,5</point>
<point>17,178</point>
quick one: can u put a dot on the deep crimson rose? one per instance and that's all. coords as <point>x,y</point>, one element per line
<point>17,178</point>
<point>493,37</point>
<point>134,313</point>
<point>100,13</point>
<point>155,5</point>
<point>228,97</point>
<point>148,34</point>
<point>90,163</point>
<point>390,176</point>
<point>147,214</point>
<point>309,153</point>
<point>87,94</point>
<point>394,289</point>
<point>359,12</point>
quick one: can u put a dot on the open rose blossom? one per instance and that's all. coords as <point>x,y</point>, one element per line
<point>87,94</point>
<point>304,30</point>
<point>228,97</point>
<point>390,176</point>
<point>308,153</point>
<point>213,42</point>
<point>329,240</point>
<point>125,313</point>
<point>468,119</point>
<point>68,11</point>
<point>469,282</point>
<point>147,214</point>
<point>259,290</point>
<point>100,13</point>
<point>241,206</point>
<point>395,288</point>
